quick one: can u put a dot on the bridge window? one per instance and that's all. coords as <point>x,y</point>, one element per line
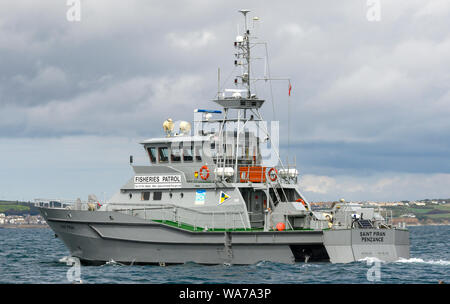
<point>152,154</point>
<point>175,154</point>
<point>163,154</point>
<point>188,153</point>
<point>145,196</point>
<point>198,152</point>
<point>157,196</point>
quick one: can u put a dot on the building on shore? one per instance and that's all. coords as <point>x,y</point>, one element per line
<point>21,220</point>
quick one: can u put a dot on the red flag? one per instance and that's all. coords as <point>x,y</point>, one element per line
<point>290,88</point>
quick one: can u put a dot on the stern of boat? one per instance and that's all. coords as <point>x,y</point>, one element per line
<point>348,245</point>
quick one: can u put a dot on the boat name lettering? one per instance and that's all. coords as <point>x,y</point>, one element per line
<point>67,227</point>
<point>372,236</point>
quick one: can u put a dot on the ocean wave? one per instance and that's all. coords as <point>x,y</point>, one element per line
<point>371,260</point>
<point>421,261</point>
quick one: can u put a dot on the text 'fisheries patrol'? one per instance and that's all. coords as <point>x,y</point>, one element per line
<point>158,179</point>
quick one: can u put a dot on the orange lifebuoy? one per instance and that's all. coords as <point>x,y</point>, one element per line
<point>280,226</point>
<point>301,201</point>
<point>274,176</point>
<point>204,177</point>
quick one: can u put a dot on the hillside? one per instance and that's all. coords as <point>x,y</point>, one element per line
<point>428,214</point>
<point>17,208</point>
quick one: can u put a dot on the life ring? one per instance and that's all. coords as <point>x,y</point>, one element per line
<point>204,177</point>
<point>300,200</point>
<point>274,176</point>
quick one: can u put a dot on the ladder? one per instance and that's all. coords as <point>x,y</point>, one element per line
<point>276,184</point>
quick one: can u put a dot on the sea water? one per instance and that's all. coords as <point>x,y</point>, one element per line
<point>36,256</point>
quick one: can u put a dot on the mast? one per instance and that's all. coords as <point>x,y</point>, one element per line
<point>239,101</point>
<point>245,52</point>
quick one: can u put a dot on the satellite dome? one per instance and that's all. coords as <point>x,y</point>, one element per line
<point>185,128</point>
<point>168,126</point>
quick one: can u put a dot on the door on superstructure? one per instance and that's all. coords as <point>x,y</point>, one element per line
<point>256,202</point>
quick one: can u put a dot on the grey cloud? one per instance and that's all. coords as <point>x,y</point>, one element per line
<point>386,187</point>
<point>367,96</point>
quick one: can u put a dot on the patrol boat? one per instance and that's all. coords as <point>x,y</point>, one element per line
<point>214,196</point>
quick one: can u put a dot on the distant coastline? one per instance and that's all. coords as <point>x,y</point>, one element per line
<point>13,226</point>
<point>430,224</point>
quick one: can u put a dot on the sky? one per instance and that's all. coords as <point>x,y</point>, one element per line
<point>368,112</point>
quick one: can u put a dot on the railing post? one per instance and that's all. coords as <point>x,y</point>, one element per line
<point>195,223</point>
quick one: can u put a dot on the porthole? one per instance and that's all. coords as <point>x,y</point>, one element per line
<point>181,194</point>
<point>130,195</point>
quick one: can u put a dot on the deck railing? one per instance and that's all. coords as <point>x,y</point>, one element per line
<point>187,217</point>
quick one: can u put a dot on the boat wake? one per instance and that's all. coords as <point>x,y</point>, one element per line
<point>371,260</point>
<point>421,261</point>
<point>64,259</point>
<point>69,260</point>
<point>113,263</point>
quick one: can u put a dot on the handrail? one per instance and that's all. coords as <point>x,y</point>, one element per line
<point>171,206</point>
<point>170,212</point>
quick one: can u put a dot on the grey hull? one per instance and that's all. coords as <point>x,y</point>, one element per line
<point>97,237</point>
<point>347,245</point>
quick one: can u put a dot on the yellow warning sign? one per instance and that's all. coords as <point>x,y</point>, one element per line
<point>223,197</point>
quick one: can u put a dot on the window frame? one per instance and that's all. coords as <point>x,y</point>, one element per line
<point>153,157</point>
<point>145,196</point>
<point>198,152</point>
<point>161,154</point>
<point>157,195</point>
<point>188,148</point>
<point>174,158</point>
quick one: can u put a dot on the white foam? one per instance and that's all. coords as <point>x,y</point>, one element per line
<point>421,261</point>
<point>370,260</point>
<point>66,259</point>
<point>111,262</point>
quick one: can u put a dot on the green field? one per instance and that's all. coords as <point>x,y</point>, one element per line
<point>5,208</point>
<point>14,207</point>
<point>430,212</point>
